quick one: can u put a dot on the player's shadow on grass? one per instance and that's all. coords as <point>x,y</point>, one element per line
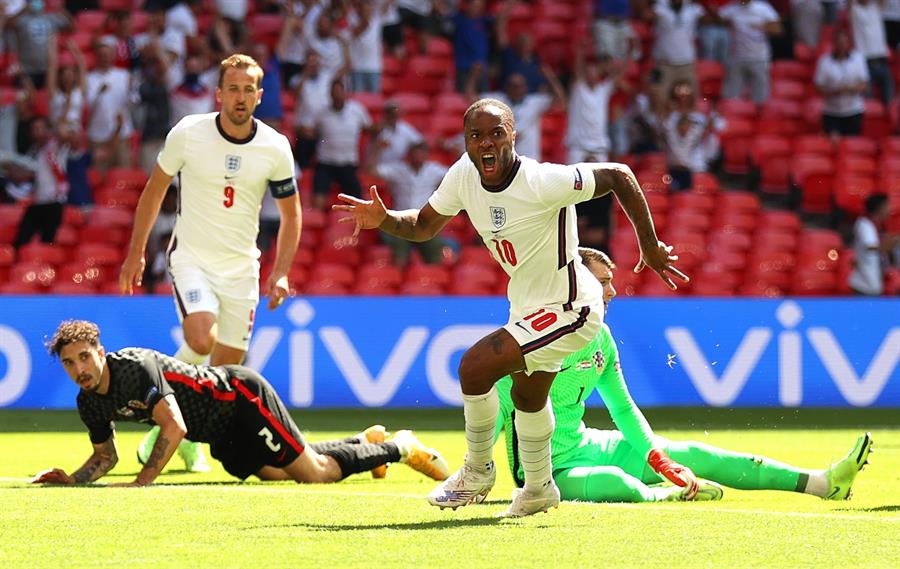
<point>888,508</point>
<point>404,526</point>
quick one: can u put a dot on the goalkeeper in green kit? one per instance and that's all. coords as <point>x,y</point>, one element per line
<point>627,465</point>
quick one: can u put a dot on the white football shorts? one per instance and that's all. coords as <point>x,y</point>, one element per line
<point>233,298</point>
<point>550,334</point>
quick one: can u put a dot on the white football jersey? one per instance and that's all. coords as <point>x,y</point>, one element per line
<point>529,227</point>
<point>222,184</point>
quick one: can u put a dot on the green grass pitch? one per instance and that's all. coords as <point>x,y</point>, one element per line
<point>209,520</point>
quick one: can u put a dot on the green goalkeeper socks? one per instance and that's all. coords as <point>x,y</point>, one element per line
<point>738,470</point>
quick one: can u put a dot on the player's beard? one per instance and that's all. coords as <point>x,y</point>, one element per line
<point>236,120</point>
<point>90,386</point>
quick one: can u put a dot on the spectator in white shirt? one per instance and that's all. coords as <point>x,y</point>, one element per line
<point>675,28</point>
<point>192,97</point>
<point>751,23</point>
<point>291,48</point>
<point>842,78</point>
<point>411,182</point>
<point>338,128</point>
<point>870,40</point>
<point>869,249</point>
<point>183,17</point>
<point>109,127</point>
<point>333,50</point>
<point>527,108</point>
<point>396,135</point>
<point>587,131</point>
<point>890,11</point>
<point>366,21</point>
<point>683,138</point>
<point>50,188</point>
<point>313,96</point>
<point>66,87</point>
<point>806,17</point>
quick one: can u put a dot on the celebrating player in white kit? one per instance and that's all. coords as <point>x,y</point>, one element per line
<point>226,162</point>
<point>524,212</point>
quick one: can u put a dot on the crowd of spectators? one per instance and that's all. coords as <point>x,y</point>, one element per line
<point>80,102</point>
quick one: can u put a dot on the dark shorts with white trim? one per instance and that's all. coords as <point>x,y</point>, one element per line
<point>262,432</point>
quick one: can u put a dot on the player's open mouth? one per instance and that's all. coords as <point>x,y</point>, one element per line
<point>489,163</point>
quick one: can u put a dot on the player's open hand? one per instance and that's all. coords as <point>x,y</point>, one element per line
<point>131,274</point>
<point>662,261</point>
<point>277,289</point>
<point>367,214</point>
<point>52,476</point>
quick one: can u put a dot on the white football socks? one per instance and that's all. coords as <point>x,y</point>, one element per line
<point>481,421</point>
<point>187,355</point>
<point>817,485</point>
<point>534,432</point>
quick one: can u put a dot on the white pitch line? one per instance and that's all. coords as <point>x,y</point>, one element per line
<point>279,489</point>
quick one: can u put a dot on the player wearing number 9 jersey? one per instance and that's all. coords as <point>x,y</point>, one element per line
<point>225,162</point>
<point>524,212</point>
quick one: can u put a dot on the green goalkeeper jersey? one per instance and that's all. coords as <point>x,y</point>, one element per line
<point>594,366</point>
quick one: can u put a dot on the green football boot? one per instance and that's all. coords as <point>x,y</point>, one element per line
<point>842,473</point>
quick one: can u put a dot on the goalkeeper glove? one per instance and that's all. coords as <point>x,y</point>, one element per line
<point>679,475</point>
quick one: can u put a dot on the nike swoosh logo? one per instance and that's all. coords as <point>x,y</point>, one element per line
<point>230,177</point>
<point>834,492</point>
<point>564,369</point>
<point>519,324</point>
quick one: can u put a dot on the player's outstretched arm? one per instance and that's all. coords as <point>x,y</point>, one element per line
<point>411,224</point>
<point>620,180</point>
<point>101,461</point>
<point>132,272</point>
<point>277,287</point>
<point>172,429</point>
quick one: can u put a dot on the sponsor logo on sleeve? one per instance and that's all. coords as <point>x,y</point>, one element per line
<point>579,182</point>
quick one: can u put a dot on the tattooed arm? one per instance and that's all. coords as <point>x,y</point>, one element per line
<point>97,465</point>
<point>172,429</point>
<point>620,180</point>
<point>102,461</point>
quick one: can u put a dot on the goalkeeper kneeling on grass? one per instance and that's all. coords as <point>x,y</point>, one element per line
<point>629,464</point>
<point>231,407</point>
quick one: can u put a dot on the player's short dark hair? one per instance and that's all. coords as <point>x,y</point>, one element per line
<point>589,256</point>
<point>506,114</point>
<point>71,331</point>
<point>875,202</point>
<point>240,61</point>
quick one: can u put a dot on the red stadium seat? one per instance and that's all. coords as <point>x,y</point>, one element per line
<point>125,179</point>
<point>11,214</point>
<point>738,109</point>
<point>850,194</point>
<point>771,155</point>
<point>710,287</point>
<point>21,288</point>
<point>705,183</point>
<point>110,217</point>
<point>78,272</point>
<point>474,274</point>
<point>709,77</point>
<point>734,221</point>
<point>347,256</point>
<point>420,288</point>
<point>793,70</point>
<point>103,234</point>
<point>690,220</point>
<point>7,255</point>
<point>38,274</point>
<point>99,254</point>
<point>814,175</point>
<point>428,274</point>
<point>736,144</point>
<point>477,254</point>
<point>876,122</point>
<point>814,144</point>
<point>779,220</point>
<point>692,201</point>
<point>380,274</point>
<point>891,146</point>
<point>374,288</point>
<point>449,103</point>
<point>814,283</point>
<point>341,274</point>
<point>775,241</point>
<point>84,288</point>
<point>858,146</point>
<point>738,201</point>
<point>729,240</point>
<point>42,253</point>
<point>789,89</point>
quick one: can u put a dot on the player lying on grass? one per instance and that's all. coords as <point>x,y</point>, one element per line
<point>626,465</point>
<point>231,407</point>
